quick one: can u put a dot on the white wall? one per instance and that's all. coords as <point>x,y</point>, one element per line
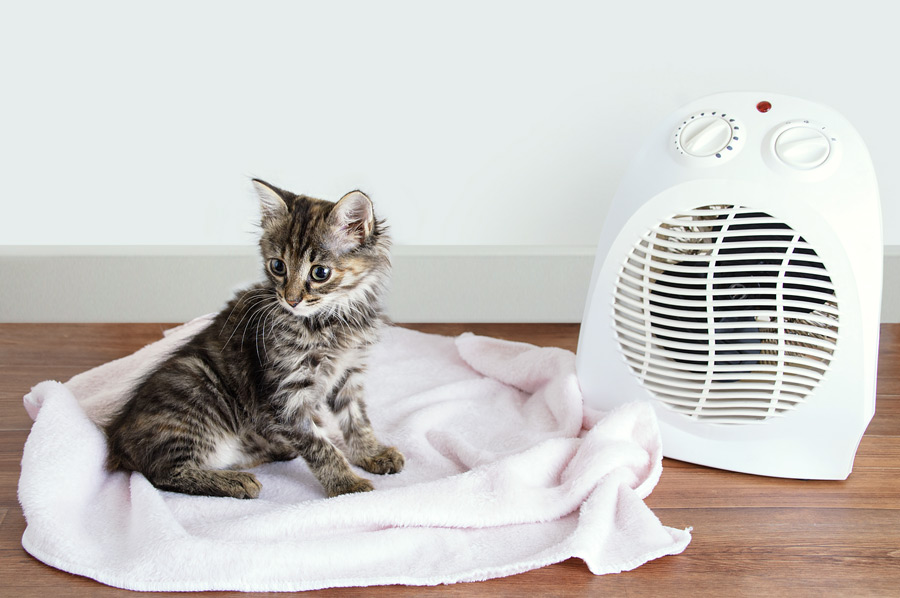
<point>470,123</point>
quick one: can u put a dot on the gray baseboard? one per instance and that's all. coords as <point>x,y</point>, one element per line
<point>430,284</point>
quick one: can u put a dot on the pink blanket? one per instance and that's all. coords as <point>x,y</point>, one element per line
<point>505,472</point>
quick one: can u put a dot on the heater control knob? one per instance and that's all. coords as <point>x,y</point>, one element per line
<point>705,136</point>
<point>802,147</point>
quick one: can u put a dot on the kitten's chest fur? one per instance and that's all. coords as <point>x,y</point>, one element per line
<point>305,371</point>
<point>300,368</point>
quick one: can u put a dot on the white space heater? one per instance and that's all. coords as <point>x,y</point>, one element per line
<point>737,288</point>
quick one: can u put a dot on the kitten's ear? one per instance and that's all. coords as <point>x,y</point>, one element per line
<point>271,203</point>
<point>350,222</point>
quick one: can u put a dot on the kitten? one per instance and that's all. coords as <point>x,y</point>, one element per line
<point>254,385</point>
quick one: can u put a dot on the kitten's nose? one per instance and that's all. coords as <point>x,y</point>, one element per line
<point>291,302</point>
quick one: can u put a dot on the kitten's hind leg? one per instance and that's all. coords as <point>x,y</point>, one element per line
<point>209,482</point>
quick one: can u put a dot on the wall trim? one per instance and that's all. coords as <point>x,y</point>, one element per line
<point>430,283</point>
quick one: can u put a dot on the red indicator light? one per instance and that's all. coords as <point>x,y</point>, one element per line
<point>764,106</point>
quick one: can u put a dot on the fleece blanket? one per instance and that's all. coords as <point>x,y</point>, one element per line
<point>505,472</point>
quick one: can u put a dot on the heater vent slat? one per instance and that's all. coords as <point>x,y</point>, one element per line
<point>733,331</point>
<point>750,322</point>
<point>677,309</point>
<point>726,315</point>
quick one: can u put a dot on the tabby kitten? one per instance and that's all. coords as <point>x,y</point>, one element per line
<point>254,385</point>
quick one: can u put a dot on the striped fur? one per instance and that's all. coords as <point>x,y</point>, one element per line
<point>255,385</point>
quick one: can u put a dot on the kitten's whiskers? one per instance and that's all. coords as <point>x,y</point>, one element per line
<point>257,301</point>
<point>255,313</point>
<point>265,319</point>
<point>244,297</point>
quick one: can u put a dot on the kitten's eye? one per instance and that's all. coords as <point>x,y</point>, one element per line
<point>320,273</point>
<point>277,267</point>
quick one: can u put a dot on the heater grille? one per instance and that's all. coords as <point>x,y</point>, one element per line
<point>726,314</point>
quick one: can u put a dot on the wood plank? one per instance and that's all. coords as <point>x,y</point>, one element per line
<point>18,381</point>
<point>886,421</point>
<point>791,531</point>
<point>888,386</point>
<point>817,551</point>
<point>684,485</point>
<point>878,452</point>
<point>12,442</point>
<point>84,345</point>
<point>890,337</point>
<point>12,525</point>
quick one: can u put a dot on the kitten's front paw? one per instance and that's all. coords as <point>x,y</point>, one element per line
<point>348,485</point>
<point>389,460</point>
<point>246,485</point>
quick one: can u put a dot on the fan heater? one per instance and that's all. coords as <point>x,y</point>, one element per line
<point>737,288</point>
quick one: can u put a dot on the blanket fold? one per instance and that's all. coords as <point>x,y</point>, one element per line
<point>506,472</point>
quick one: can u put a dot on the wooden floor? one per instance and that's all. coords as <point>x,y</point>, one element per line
<point>752,536</point>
